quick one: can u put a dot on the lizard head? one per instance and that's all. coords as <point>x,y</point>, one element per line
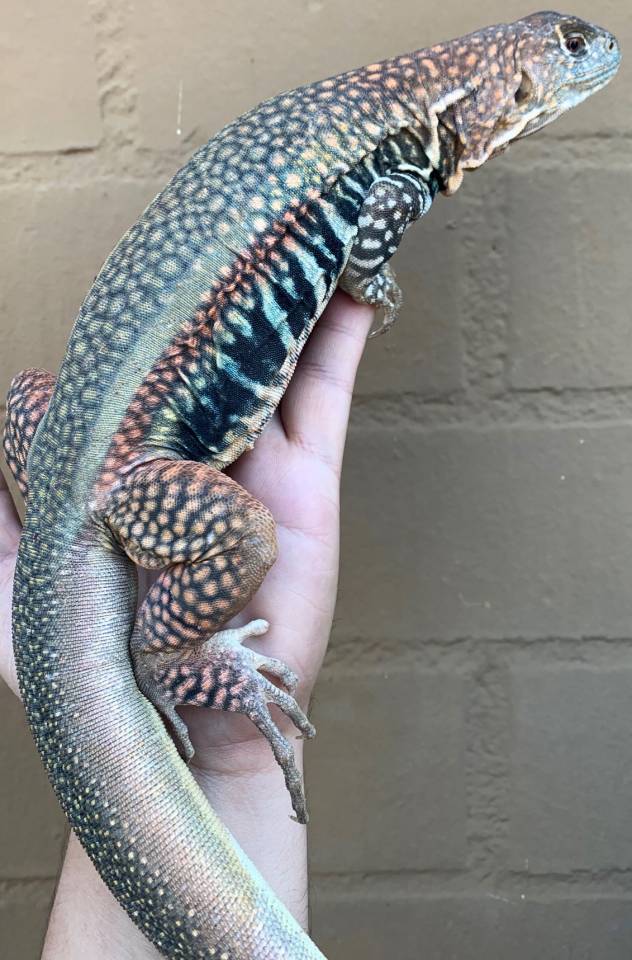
<point>516,78</point>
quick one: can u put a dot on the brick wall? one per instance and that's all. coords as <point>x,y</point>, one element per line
<point>471,784</point>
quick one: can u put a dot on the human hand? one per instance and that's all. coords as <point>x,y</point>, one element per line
<point>10,529</point>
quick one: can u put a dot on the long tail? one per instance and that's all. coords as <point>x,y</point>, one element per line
<point>132,802</point>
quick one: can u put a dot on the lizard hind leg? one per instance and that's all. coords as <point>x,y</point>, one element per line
<point>27,402</point>
<point>214,543</point>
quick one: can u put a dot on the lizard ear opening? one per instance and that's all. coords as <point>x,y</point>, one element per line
<point>524,90</point>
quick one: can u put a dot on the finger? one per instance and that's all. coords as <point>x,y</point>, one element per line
<point>315,408</point>
<point>8,671</point>
<point>9,538</point>
<point>9,520</point>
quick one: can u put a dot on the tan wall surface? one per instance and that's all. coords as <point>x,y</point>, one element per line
<point>471,785</point>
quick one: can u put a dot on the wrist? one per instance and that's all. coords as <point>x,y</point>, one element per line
<point>245,785</point>
<point>251,756</point>
<point>249,795</point>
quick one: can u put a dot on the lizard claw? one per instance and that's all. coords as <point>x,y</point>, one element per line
<point>228,676</point>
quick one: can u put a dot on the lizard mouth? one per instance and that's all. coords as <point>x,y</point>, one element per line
<point>597,81</point>
<point>594,80</point>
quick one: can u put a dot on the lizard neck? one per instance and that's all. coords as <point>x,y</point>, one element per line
<point>450,150</point>
<point>420,105</point>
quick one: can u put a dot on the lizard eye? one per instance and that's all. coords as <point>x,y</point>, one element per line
<point>576,44</point>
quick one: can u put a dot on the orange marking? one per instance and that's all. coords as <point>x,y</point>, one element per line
<point>430,66</point>
<point>183,688</point>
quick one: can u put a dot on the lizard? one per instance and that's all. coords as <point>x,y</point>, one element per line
<point>178,356</point>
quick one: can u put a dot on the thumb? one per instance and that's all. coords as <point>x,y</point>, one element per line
<point>9,539</point>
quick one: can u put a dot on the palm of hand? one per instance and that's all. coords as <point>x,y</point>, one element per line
<point>294,469</point>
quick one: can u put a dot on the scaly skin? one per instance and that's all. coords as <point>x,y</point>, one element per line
<point>180,353</point>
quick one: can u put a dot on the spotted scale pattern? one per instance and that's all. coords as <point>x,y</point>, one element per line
<point>181,351</point>
<point>215,544</point>
<point>27,401</point>
<point>392,203</point>
<point>217,686</point>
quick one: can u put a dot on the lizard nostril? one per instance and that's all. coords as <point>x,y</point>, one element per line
<point>611,45</point>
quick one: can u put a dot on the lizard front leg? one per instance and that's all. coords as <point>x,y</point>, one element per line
<point>27,402</point>
<point>214,544</point>
<point>392,204</point>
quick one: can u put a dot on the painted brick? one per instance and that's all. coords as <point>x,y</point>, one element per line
<point>390,750</point>
<point>572,769</point>
<point>55,240</point>
<point>569,279</point>
<point>24,910</point>
<point>49,89</point>
<point>203,81</point>
<point>214,80</point>
<point>422,353</point>
<point>32,826</point>
<point>493,927</point>
<point>498,532</point>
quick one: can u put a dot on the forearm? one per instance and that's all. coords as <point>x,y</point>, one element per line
<point>86,922</point>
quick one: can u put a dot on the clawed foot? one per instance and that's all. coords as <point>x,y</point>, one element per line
<point>228,676</point>
<point>389,297</point>
<point>380,290</point>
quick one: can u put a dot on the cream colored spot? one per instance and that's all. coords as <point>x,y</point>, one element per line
<point>293,180</point>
